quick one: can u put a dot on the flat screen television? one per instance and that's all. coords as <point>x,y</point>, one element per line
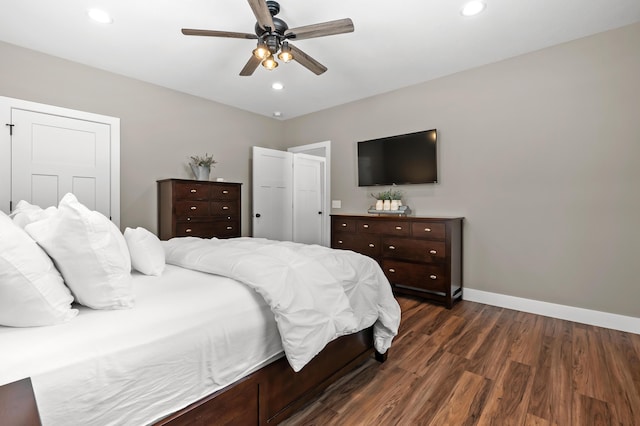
<point>404,159</point>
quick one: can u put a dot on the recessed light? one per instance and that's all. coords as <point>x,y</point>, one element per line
<point>277,114</point>
<point>99,16</point>
<point>277,86</point>
<point>472,8</point>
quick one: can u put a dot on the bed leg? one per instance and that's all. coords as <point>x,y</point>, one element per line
<point>381,357</point>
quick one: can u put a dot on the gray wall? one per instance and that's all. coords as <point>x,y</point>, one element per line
<point>160,128</point>
<point>541,155</point>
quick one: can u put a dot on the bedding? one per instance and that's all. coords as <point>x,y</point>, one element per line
<point>316,293</point>
<point>89,251</point>
<point>31,289</point>
<point>189,335</point>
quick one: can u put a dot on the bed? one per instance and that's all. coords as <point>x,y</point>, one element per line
<point>220,336</point>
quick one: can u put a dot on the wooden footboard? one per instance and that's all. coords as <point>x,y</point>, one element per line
<point>274,392</point>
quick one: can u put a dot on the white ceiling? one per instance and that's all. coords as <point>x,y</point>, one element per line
<point>395,44</point>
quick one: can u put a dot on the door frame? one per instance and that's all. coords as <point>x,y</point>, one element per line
<point>8,104</point>
<point>321,149</point>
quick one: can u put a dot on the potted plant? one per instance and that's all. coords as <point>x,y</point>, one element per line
<point>201,166</point>
<point>396,198</point>
<point>383,200</point>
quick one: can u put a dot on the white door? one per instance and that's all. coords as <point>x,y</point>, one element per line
<point>272,194</point>
<point>323,150</point>
<point>46,151</point>
<point>53,155</point>
<point>308,200</point>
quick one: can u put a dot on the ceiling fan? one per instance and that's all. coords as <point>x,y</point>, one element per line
<point>273,35</point>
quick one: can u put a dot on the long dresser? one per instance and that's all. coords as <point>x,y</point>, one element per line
<point>421,256</point>
<point>198,209</point>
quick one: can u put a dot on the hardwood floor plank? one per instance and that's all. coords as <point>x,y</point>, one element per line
<point>591,411</point>
<point>475,333</point>
<point>624,398</point>
<point>507,404</point>
<point>553,386</point>
<point>465,403</point>
<point>492,353</point>
<point>589,370</point>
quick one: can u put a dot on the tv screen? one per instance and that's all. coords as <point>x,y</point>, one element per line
<point>402,159</point>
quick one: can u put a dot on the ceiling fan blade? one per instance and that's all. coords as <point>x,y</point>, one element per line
<point>261,11</point>
<point>213,33</point>
<point>307,61</point>
<point>339,26</point>
<point>250,66</point>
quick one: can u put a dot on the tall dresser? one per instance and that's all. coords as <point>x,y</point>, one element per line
<point>198,209</point>
<point>421,256</point>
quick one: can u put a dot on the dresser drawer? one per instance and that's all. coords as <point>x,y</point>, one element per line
<point>369,245</point>
<point>343,225</point>
<point>191,191</point>
<point>432,230</point>
<point>191,208</point>
<point>224,207</point>
<point>225,229</point>
<point>383,227</point>
<point>412,249</point>
<point>193,229</point>
<point>415,275</point>
<point>224,193</point>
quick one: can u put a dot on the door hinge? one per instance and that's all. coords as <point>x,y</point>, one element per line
<point>10,128</point>
<point>10,206</point>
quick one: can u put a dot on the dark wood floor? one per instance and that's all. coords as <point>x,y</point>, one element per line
<point>482,365</point>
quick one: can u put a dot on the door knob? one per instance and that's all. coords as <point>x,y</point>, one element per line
<point>257,214</point>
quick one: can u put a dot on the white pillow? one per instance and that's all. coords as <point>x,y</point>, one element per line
<point>90,253</point>
<point>25,213</point>
<point>31,289</point>
<point>147,254</point>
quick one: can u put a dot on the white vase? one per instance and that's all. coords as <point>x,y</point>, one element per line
<point>394,204</point>
<point>379,205</point>
<point>387,205</point>
<point>200,172</point>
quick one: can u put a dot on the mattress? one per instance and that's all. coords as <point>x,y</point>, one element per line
<point>190,334</point>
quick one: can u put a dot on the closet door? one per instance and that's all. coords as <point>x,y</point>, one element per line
<point>47,151</point>
<point>308,200</point>
<point>53,155</point>
<point>272,194</point>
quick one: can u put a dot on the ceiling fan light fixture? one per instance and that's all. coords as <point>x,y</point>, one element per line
<point>262,51</point>
<point>285,54</point>
<point>270,63</point>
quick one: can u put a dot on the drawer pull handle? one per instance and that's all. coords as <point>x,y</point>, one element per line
<point>193,191</point>
<point>372,245</point>
<point>398,228</point>
<point>392,270</point>
<point>188,230</point>
<point>344,224</point>
<point>365,226</point>
<point>225,207</point>
<point>427,229</point>
<point>229,228</point>
<point>433,251</point>
<point>225,192</point>
<point>392,247</point>
<point>339,241</point>
<point>433,277</point>
<point>193,207</point>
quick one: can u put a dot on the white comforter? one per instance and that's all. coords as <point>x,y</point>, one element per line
<point>316,294</point>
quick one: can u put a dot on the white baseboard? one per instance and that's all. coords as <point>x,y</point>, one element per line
<point>569,313</point>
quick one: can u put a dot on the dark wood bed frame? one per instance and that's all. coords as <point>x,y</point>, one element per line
<point>266,396</point>
<point>275,392</point>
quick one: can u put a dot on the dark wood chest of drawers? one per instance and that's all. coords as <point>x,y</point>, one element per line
<point>420,256</point>
<point>198,209</point>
